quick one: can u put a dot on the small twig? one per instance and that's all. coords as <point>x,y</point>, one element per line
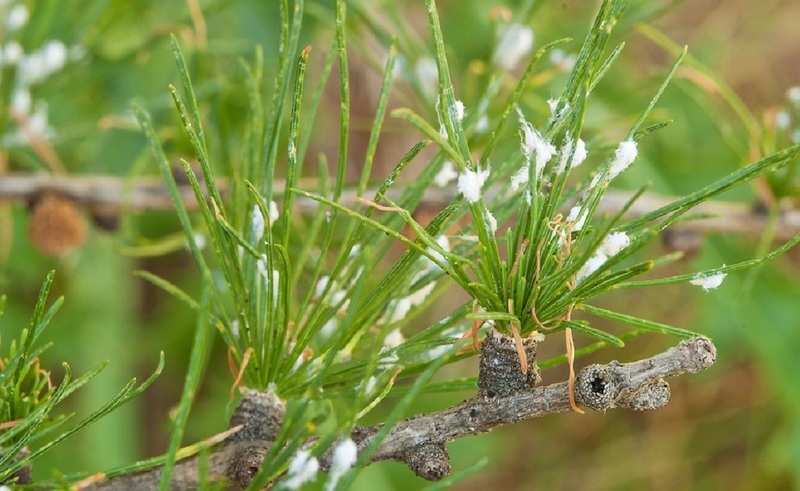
<point>107,195</point>
<point>420,441</point>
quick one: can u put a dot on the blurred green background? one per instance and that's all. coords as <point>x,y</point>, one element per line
<point>736,426</point>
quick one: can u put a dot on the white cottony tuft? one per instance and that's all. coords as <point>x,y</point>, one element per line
<point>16,17</point>
<point>257,219</point>
<point>532,142</point>
<point>459,110</point>
<point>491,221</point>
<point>470,184</point>
<point>275,282</point>
<point>576,217</point>
<point>456,114</point>
<point>446,175</point>
<point>444,243</point>
<point>709,282</point>
<point>303,468</point>
<point>516,41</point>
<point>257,223</point>
<point>273,212</point>
<point>42,63</point>
<point>520,178</point>
<point>400,309</point>
<point>269,279</point>
<point>428,264</point>
<point>327,329</point>
<point>590,266</point>
<point>624,156</point>
<point>393,339</point>
<point>528,136</point>
<point>322,283</point>
<point>338,297</point>
<point>580,153</point>
<point>438,351</point>
<point>419,296</point>
<point>11,53</point>
<point>371,382</point>
<point>613,243</point>
<point>544,152</point>
<point>344,456</point>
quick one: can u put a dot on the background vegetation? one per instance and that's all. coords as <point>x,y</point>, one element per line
<point>734,427</point>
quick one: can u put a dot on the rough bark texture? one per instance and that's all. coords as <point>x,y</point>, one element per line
<point>420,441</point>
<point>500,368</point>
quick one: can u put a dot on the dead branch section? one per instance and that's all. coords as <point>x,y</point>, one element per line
<point>420,441</point>
<point>110,196</point>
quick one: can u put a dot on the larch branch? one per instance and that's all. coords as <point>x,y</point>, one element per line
<point>109,195</point>
<point>420,441</point>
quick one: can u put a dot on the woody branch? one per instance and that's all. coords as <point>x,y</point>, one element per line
<point>420,441</point>
<point>108,195</point>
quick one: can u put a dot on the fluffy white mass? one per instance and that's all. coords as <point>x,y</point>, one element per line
<point>16,17</point>
<point>394,339</point>
<point>590,266</point>
<point>614,243</point>
<point>428,265</point>
<point>520,178</point>
<point>470,184</point>
<point>578,155</point>
<point>459,110</point>
<point>491,221</point>
<point>344,456</point>
<point>610,246</point>
<point>302,469</point>
<point>709,282</point>
<point>11,53</point>
<point>446,174</point>
<point>533,143</point>
<point>624,156</point>
<point>40,64</point>
<point>400,309</point>
<point>257,223</point>
<point>576,217</point>
<point>515,42</point>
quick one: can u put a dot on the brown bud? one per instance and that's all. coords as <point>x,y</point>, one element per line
<point>56,225</point>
